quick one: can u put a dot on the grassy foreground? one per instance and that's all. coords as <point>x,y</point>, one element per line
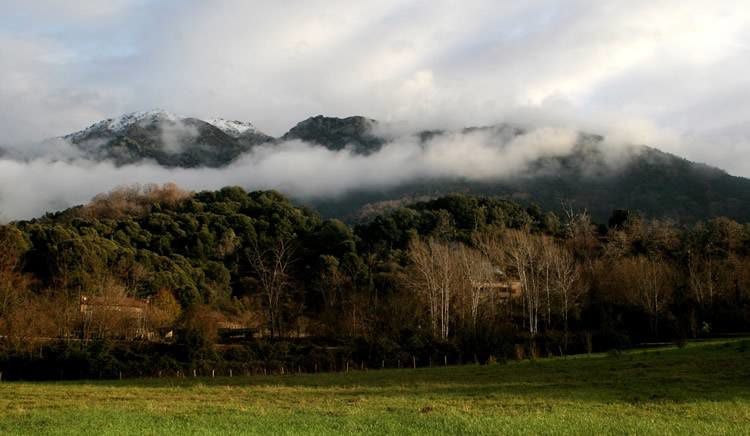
<point>701,389</point>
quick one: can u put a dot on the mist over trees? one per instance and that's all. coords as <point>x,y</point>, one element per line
<point>154,278</point>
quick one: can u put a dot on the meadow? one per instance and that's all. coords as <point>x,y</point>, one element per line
<point>703,388</point>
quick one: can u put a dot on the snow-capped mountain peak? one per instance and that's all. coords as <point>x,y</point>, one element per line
<point>124,121</point>
<point>120,124</point>
<point>103,132</point>
<point>232,128</point>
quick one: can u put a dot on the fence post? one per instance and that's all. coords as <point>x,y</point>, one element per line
<point>347,365</point>
<point>230,372</point>
<point>445,359</point>
<point>213,373</point>
<point>195,373</point>
<point>414,361</point>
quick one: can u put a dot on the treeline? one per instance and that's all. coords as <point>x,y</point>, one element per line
<point>153,279</point>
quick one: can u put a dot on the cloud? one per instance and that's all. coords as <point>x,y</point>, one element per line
<point>674,69</point>
<point>65,10</point>
<point>30,188</point>
<point>175,135</point>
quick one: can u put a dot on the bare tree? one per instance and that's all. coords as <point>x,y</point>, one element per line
<point>271,266</point>
<point>523,252</point>
<point>492,246</point>
<point>548,273</point>
<point>435,278</point>
<point>580,232</point>
<point>566,275</point>
<point>477,273</point>
<point>548,252</point>
<point>709,278</point>
<point>650,281</point>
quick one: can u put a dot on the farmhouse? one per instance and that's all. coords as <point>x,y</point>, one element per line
<point>118,316</point>
<point>233,331</point>
<point>503,289</point>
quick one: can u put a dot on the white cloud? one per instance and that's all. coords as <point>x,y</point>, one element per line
<point>675,69</point>
<point>78,11</point>
<point>30,188</point>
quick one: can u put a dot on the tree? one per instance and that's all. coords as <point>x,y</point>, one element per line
<point>524,254</point>
<point>272,266</point>
<point>650,281</point>
<point>580,233</point>
<point>566,274</point>
<point>13,282</point>
<point>31,322</point>
<point>200,332</point>
<point>435,276</point>
<point>164,309</point>
<point>331,281</point>
<point>478,275</point>
<point>703,277</point>
<point>492,246</point>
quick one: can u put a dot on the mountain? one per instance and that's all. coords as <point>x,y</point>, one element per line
<point>645,179</point>
<point>235,128</point>
<point>173,141</point>
<point>243,132</point>
<point>337,133</point>
<point>167,139</point>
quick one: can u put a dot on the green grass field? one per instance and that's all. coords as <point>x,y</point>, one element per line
<point>701,389</point>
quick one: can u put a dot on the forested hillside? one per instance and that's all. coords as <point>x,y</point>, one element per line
<point>230,276</point>
<point>650,182</point>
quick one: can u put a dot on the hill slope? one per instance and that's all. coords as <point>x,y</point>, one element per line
<point>653,183</point>
<point>643,179</point>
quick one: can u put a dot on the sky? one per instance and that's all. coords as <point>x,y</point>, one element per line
<point>672,74</point>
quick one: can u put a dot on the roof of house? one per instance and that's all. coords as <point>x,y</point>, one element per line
<point>100,301</point>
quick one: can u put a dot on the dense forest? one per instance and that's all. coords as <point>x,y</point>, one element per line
<point>154,280</point>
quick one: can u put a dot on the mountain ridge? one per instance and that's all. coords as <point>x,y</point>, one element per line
<point>653,182</point>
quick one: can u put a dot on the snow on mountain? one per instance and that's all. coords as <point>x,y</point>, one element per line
<point>121,123</point>
<point>232,128</point>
